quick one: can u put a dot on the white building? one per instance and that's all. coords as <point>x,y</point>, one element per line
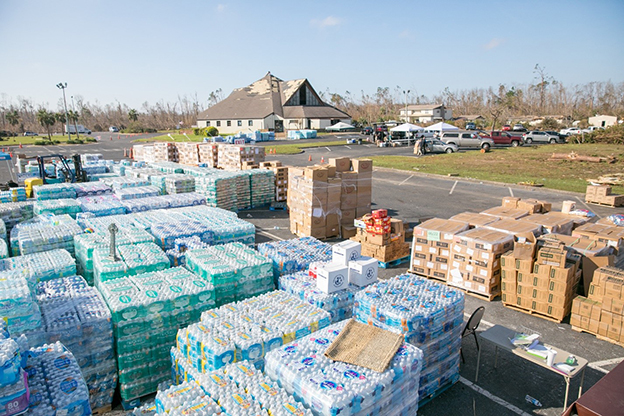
<point>425,113</point>
<point>271,104</point>
<point>602,121</point>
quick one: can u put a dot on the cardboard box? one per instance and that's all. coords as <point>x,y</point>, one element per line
<point>346,251</point>
<point>474,220</point>
<point>363,271</point>
<point>315,173</point>
<point>362,165</point>
<point>347,231</point>
<point>510,202</point>
<point>551,257</point>
<point>503,212</point>
<point>342,164</point>
<point>332,277</point>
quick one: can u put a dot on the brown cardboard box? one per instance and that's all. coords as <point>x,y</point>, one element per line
<point>315,173</point>
<point>348,202</point>
<point>575,320</point>
<point>474,220</point>
<point>343,164</point>
<point>531,205</point>
<point>347,231</point>
<point>379,239</point>
<point>614,332</point>
<point>509,298</point>
<point>331,169</point>
<point>552,223</point>
<point>503,212</point>
<point>593,326</point>
<point>551,257</point>
<point>362,165</point>
<point>510,202</point>
<point>349,182</point>
<point>603,329</point>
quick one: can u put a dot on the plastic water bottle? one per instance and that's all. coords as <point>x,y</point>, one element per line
<point>533,401</point>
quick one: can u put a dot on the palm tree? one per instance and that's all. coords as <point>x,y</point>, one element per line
<point>133,115</point>
<point>73,116</point>
<point>13,117</point>
<point>46,119</point>
<point>60,118</point>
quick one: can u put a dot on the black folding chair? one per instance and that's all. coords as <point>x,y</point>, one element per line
<point>471,327</point>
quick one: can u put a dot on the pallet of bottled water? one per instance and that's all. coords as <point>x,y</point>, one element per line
<point>4,249</point>
<point>290,256</point>
<point>56,385</point>
<point>38,267</point>
<point>179,183</point>
<point>220,189</point>
<point>131,260</point>
<point>54,191</point>
<point>136,192</point>
<point>236,389</point>
<point>122,182</point>
<point>164,202</point>
<point>262,186</point>
<point>147,311</point>
<point>70,207</point>
<point>43,233</point>
<point>101,205</point>
<point>13,195</point>
<point>3,230</point>
<point>339,304</point>
<point>177,254</point>
<point>76,315</point>
<point>333,388</point>
<point>168,167</point>
<point>247,330</point>
<point>12,213</point>
<point>104,177</point>
<point>236,271</point>
<point>85,244</point>
<point>13,380</point>
<point>243,190</point>
<point>430,316</point>
<point>19,310</point>
<point>92,189</point>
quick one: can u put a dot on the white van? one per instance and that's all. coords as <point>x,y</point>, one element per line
<point>71,129</point>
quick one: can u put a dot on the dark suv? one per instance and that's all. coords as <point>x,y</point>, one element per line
<point>367,130</point>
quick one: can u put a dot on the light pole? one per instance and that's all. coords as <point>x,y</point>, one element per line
<point>62,86</point>
<point>75,117</point>
<point>406,116</point>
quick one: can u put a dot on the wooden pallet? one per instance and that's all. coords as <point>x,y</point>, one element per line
<point>486,297</point>
<point>532,312</point>
<point>439,279</point>
<point>602,204</point>
<point>281,206</point>
<point>102,410</point>
<point>598,336</point>
<point>393,263</point>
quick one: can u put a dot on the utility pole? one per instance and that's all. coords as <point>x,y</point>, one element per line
<point>75,119</point>
<point>62,86</point>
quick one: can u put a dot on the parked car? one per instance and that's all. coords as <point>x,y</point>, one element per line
<point>438,146</point>
<point>466,139</point>
<point>591,129</point>
<point>562,137</point>
<point>519,127</point>
<point>113,129</point>
<point>570,130</point>
<point>506,127</point>
<point>30,133</point>
<point>471,126</point>
<point>6,133</point>
<point>502,138</point>
<point>541,137</point>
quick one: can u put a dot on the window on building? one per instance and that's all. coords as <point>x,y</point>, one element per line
<point>208,123</point>
<point>239,123</point>
<point>304,96</point>
<point>250,123</point>
<point>229,123</point>
<point>219,123</point>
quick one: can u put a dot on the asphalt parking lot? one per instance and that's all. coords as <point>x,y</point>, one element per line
<point>413,197</point>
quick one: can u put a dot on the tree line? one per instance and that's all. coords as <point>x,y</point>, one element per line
<point>545,96</point>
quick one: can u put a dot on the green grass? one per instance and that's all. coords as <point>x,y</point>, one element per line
<point>176,138</point>
<point>523,164</point>
<point>27,140</point>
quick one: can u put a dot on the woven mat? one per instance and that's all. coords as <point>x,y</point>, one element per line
<point>365,345</point>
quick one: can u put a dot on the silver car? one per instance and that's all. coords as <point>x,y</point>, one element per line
<point>438,146</point>
<point>541,137</point>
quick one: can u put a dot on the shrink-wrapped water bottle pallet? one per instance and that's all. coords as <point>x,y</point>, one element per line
<point>450,383</point>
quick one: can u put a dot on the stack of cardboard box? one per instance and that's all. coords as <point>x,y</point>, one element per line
<point>188,153</point>
<point>475,220</point>
<point>233,157</point>
<point>137,152</point>
<point>314,202</point>
<point>208,154</point>
<point>475,260</point>
<point>540,278</point>
<point>601,194</point>
<point>325,199</point>
<point>602,312</point>
<point>610,235</point>
<point>381,236</point>
<point>431,247</point>
<point>165,152</point>
<point>281,178</point>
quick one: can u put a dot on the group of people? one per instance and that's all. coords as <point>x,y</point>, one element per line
<point>420,149</point>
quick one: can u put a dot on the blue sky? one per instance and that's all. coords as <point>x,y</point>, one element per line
<point>134,51</point>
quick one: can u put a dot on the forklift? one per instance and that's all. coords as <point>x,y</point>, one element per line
<point>70,176</point>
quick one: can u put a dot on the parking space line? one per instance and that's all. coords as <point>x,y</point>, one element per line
<point>484,323</point>
<point>261,231</point>
<point>598,364</point>
<point>587,206</point>
<point>511,192</point>
<point>410,177</point>
<point>492,397</point>
<point>328,149</point>
<point>348,147</point>
<point>453,188</point>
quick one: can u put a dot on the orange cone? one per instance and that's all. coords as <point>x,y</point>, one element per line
<point>310,158</point>
<point>322,159</point>
<point>20,146</point>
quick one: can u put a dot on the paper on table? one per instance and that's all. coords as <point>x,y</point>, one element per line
<point>523,339</point>
<point>538,350</point>
<point>564,367</point>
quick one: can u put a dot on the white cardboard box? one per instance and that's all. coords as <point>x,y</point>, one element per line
<point>363,271</point>
<point>346,251</point>
<point>332,277</point>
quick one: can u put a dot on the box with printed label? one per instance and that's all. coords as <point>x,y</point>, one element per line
<point>346,251</point>
<point>363,271</point>
<point>332,277</point>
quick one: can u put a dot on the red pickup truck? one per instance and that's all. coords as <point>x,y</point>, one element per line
<point>503,138</point>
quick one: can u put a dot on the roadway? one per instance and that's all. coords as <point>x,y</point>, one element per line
<point>413,196</point>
